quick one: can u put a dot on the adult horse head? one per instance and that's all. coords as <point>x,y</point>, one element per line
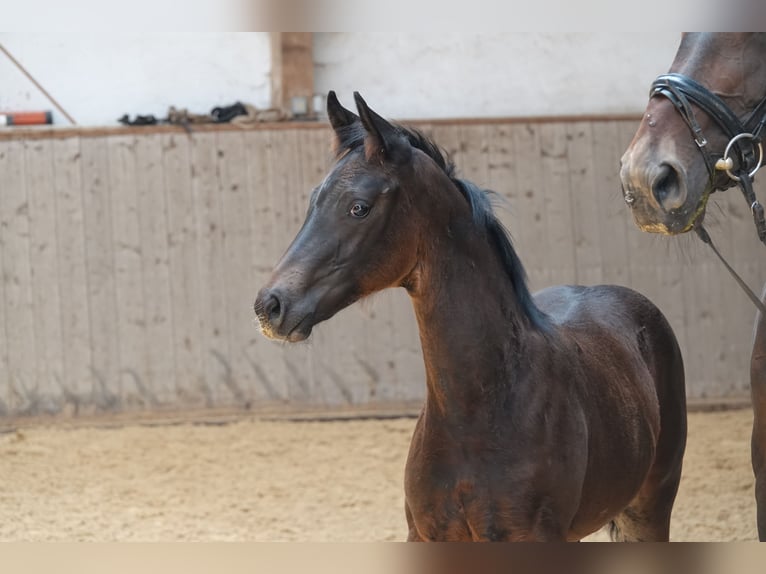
<point>546,417</point>
<point>715,91</point>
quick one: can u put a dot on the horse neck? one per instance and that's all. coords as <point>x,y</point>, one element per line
<point>732,65</point>
<point>472,326</point>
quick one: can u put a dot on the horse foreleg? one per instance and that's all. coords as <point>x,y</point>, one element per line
<point>758,443</point>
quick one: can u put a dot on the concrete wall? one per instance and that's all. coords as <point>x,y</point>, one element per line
<point>99,77</point>
<point>434,75</point>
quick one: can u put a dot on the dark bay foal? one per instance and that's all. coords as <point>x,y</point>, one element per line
<point>546,417</point>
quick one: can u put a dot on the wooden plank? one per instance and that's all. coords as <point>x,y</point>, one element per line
<point>22,396</point>
<point>72,275</point>
<point>238,230</point>
<point>5,373</point>
<point>44,273</point>
<point>191,386</point>
<point>474,152</point>
<point>6,157</point>
<point>265,357</point>
<point>527,221</point>
<point>516,208</point>
<point>501,163</point>
<point>701,308</point>
<point>99,254</point>
<point>135,387</point>
<point>211,302</point>
<point>612,214</point>
<point>554,163</point>
<point>159,352</point>
<point>447,137</point>
<point>585,196</point>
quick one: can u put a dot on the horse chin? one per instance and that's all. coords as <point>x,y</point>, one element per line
<point>676,222</point>
<point>661,227</point>
<point>300,332</point>
<point>299,335</point>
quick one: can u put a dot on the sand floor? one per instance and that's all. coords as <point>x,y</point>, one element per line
<point>255,480</point>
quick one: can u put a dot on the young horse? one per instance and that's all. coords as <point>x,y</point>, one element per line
<point>668,173</point>
<point>545,418</point>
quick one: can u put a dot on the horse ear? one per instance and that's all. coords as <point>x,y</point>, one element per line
<point>383,139</point>
<point>339,116</point>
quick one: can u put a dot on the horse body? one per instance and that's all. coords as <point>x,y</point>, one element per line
<point>667,179</point>
<point>532,434</point>
<point>545,418</point>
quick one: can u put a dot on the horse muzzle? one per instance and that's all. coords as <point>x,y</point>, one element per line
<point>657,194</point>
<point>280,318</point>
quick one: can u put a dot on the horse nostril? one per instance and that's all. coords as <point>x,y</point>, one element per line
<point>269,307</point>
<point>272,308</point>
<point>668,189</point>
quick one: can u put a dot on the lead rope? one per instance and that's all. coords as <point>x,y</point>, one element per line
<point>705,237</point>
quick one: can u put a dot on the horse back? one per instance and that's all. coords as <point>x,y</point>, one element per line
<point>603,316</point>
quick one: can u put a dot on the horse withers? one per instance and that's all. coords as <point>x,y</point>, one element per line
<point>702,132</point>
<point>546,417</point>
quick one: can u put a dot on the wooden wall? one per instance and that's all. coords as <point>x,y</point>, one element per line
<point>131,258</point>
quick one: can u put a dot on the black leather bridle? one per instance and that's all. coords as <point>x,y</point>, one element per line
<point>743,155</point>
<point>740,160</point>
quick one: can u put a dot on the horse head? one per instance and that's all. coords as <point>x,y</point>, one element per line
<point>669,169</point>
<point>361,231</point>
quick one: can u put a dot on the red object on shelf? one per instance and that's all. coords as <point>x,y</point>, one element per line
<point>25,118</point>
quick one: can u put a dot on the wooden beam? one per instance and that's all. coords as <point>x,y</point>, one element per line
<point>292,72</point>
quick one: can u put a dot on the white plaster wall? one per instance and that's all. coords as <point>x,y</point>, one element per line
<point>98,78</point>
<point>432,75</point>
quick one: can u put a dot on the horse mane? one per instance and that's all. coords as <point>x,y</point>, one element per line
<point>480,201</point>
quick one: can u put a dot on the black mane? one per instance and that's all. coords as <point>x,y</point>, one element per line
<point>484,217</point>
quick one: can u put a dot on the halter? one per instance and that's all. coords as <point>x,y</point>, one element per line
<point>741,159</point>
<point>743,155</point>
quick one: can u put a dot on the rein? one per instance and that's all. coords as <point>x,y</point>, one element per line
<point>705,237</point>
<point>740,161</point>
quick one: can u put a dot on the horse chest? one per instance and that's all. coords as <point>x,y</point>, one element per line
<point>451,497</point>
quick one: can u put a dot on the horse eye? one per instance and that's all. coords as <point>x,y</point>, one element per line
<point>359,209</point>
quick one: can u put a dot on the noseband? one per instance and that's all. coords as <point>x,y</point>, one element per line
<point>743,155</point>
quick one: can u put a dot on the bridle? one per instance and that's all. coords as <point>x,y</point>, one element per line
<point>743,155</point>
<point>741,159</point>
